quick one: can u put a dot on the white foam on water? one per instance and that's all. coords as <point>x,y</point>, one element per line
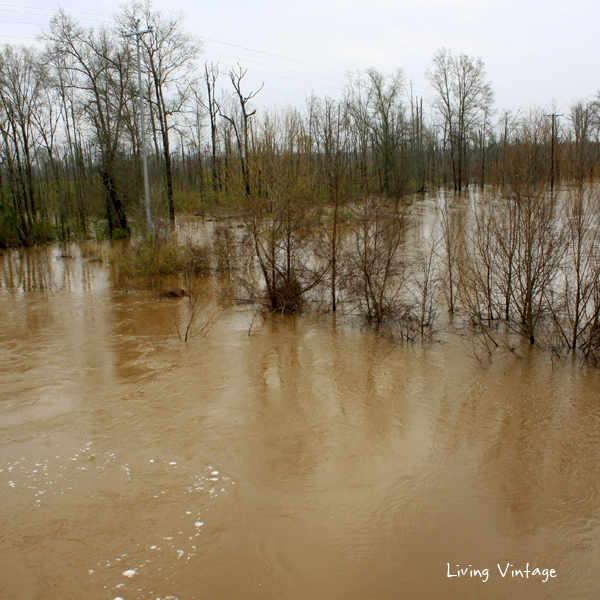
<point>196,496</point>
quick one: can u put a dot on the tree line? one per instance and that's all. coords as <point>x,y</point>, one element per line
<point>324,190</point>
<point>70,144</point>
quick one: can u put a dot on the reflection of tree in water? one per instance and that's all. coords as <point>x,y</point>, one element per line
<point>286,431</point>
<point>28,270</point>
<point>373,386</point>
<point>532,448</point>
<point>47,269</point>
<point>316,396</point>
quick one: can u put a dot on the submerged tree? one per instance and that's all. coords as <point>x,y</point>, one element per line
<point>328,123</point>
<point>279,213</point>
<point>576,302</point>
<point>376,265</point>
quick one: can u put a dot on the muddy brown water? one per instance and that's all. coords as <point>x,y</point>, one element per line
<point>310,459</point>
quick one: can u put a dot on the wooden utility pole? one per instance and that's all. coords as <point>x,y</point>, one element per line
<point>553,117</point>
<point>137,33</point>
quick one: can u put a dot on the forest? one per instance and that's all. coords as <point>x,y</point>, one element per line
<point>324,190</point>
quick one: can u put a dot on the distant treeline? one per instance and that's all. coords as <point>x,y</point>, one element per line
<point>70,143</point>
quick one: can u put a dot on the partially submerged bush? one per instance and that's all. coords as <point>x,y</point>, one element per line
<point>226,248</point>
<point>11,234</point>
<point>9,231</point>
<point>197,259</point>
<point>160,257</point>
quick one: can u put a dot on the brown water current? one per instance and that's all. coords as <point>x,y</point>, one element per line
<point>303,459</point>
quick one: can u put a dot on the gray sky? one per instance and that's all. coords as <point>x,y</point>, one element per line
<point>534,51</point>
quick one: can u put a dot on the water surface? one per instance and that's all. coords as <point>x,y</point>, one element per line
<point>299,458</point>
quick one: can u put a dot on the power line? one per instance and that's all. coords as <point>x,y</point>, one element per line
<point>21,22</point>
<point>281,57</point>
<point>18,37</point>
<point>275,67</point>
<point>296,60</point>
<point>53,10</point>
<point>278,56</point>
<point>290,78</point>
<point>22,12</point>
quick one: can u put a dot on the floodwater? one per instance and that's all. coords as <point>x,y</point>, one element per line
<point>287,458</point>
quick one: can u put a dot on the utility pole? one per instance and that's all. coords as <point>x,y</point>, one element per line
<point>137,33</point>
<point>553,117</point>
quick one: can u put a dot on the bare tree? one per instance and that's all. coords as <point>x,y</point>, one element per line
<point>507,125</point>
<point>451,231</point>
<point>101,65</point>
<point>539,243</point>
<point>464,97</point>
<point>21,98</point>
<point>581,117</point>
<point>376,265</point>
<point>241,125</point>
<point>211,74</point>
<point>374,102</point>
<point>424,285</point>
<point>169,55</point>
<point>280,213</point>
<point>575,307</point>
<point>328,121</point>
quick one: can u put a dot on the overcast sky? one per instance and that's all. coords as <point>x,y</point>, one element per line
<point>534,51</point>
